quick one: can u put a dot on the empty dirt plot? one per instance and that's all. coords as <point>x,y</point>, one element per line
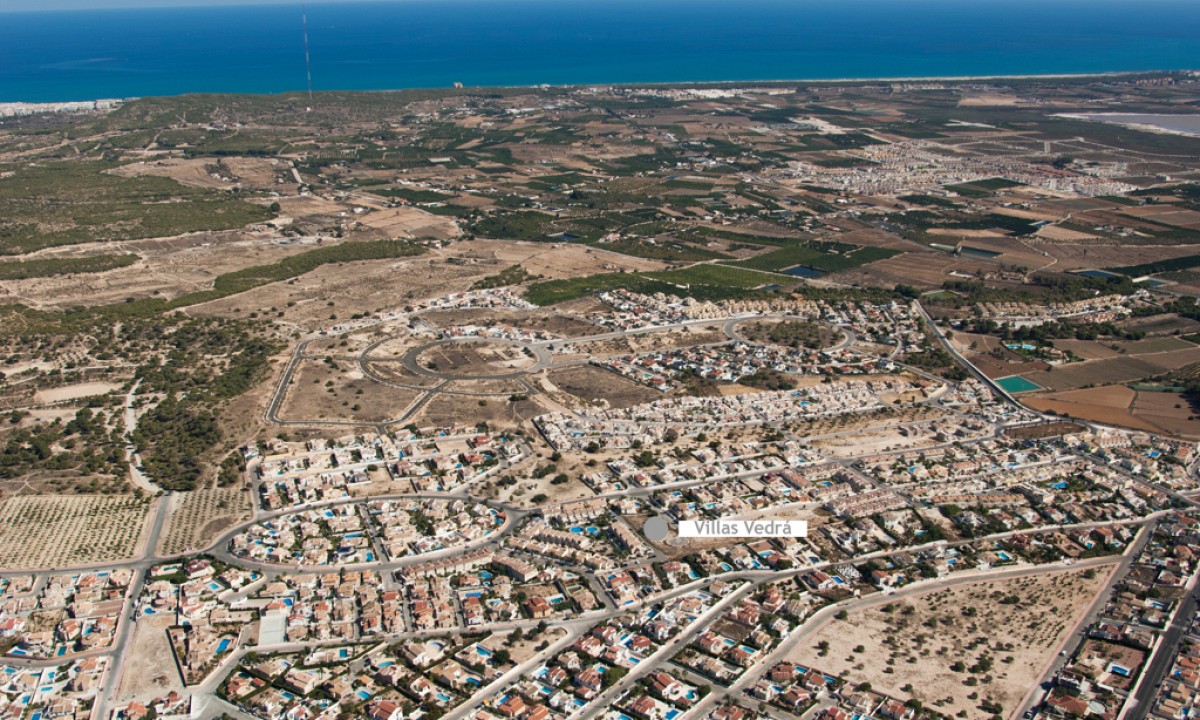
<point>393,371</point>
<point>554,261</point>
<point>873,441</point>
<point>1003,632</point>
<point>1111,405</point>
<point>410,222</point>
<point>594,386</point>
<point>41,531</point>
<point>253,172</point>
<point>456,411</point>
<point>168,268</point>
<point>73,392</point>
<point>354,343</point>
<point>150,669</point>
<point>919,269</point>
<point>682,338</point>
<point>338,390</point>
<point>475,358</point>
<point>1044,430</point>
<point>198,517</point>
<point>554,323</point>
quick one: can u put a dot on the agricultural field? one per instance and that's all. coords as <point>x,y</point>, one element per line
<point>197,517</point>
<point>837,258</point>
<point>1153,411</point>
<point>57,531</point>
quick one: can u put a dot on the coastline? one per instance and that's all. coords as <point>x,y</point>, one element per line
<point>683,84</point>
<point>1133,122</point>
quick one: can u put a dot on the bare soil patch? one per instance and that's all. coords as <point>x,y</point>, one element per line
<point>341,392</point>
<point>475,358</point>
<point>446,410</point>
<point>922,636</point>
<point>594,386</point>
<point>73,392</point>
<point>150,671</point>
<point>1171,412</point>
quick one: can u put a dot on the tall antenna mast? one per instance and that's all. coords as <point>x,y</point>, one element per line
<point>307,63</point>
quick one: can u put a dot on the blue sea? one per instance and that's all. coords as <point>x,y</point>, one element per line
<point>76,55</point>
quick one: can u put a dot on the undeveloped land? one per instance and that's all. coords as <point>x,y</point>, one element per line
<point>320,391</point>
<point>169,267</point>
<point>1012,627</point>
<point>150,669</point>
<point>446,410</point>
<point>595,386</point>
<point>42,531</point>
<point>475,358</point>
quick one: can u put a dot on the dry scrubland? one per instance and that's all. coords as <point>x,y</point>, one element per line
<point>909,645</point>
<point>320,392</point>
<point>56,531</point>
<point>198,517</point>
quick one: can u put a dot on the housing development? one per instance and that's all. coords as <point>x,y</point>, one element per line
<point>380,408</point>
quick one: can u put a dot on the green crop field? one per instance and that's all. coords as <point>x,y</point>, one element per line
<point>780,260</point>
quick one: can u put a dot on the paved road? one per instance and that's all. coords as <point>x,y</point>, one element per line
<point>1142,702</point>
<point>1078,634</point>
